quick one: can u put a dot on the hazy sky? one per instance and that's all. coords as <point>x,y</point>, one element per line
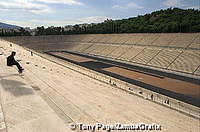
<point>32,13</point>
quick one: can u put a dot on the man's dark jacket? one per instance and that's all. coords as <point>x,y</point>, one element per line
<point>10,60</point>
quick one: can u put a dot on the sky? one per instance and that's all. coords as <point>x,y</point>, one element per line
<point>33,13</point>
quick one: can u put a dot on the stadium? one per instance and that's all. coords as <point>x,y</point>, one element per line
<point>135,74</point>
<point>157,69</point>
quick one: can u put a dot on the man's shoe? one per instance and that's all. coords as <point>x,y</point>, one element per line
<point>20,71</point>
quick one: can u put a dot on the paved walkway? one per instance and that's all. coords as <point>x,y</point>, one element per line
<point>48,97</point>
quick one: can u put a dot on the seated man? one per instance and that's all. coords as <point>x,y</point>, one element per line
<point>11,61</point>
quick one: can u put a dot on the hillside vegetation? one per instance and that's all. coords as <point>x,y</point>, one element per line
<point>171,20</point>
<point>167,21</point>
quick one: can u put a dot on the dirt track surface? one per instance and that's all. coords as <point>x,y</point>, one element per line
<point>177,86</point>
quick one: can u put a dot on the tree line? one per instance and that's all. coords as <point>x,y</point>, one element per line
<point>14,32</point>
<point>163,21</point>
<point>171,20</point>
